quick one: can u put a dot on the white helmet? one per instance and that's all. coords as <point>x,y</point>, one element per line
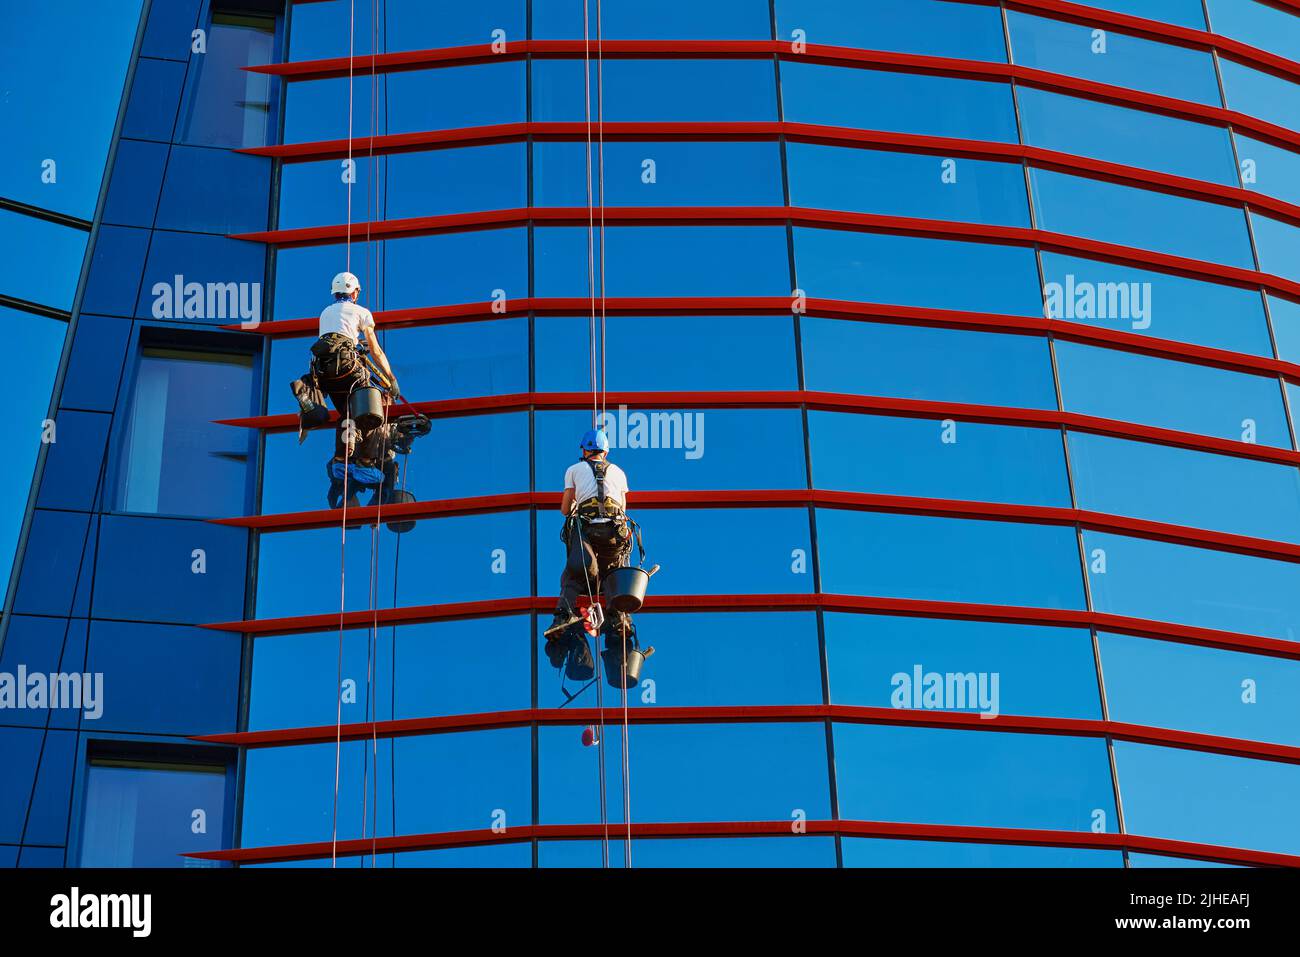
<point>345,284</point>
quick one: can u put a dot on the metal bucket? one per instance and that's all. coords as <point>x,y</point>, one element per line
<point>614,673</point>
<point>399,497</point>
<point>624,589</point>
<point>366,408</point>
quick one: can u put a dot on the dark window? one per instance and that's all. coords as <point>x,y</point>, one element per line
<point>228,105</point>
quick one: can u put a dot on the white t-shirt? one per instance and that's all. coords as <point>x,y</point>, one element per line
<point>579,478</point>
<point>347,317</point>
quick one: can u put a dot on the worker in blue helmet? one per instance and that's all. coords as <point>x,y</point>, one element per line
<point>597,539</point>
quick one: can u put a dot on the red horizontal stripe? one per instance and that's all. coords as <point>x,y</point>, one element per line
<point>827,308</point>
<point>856,501</point>
<point>797,132</point>
<point>758,714</point>
<point>761,49</point>
<point>866,829</point>
<point>853,604</point>
<point>778,216</point>
<point>829,401</point>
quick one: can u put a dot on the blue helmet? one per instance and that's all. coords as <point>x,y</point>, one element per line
<point>595,440</point>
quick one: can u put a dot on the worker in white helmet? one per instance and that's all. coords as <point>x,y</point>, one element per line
<point>337,370</point>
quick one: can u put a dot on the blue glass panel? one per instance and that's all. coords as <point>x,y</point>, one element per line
<point>322,29</point>
<point>115,268</point>
<point>1157,304</point>
<point>1130,137</point>
<point>1269,169</point>
<point>143,816</point>
<point>1193,586</point>
<point>226,105</point>
<point>137,180</point>
<point>1108,56</point>
<point>1128,216</point>
<point>681,90</point>
<point>672,20</point>
<point>191,572</point>
<point>173,457</point>
<point>1171,395</point>
<point>779,650</point>
<point>65,115</point>
<point>937,459</point>
<point>1184,487</point>
<point>989,779</point>
<point>452,361</point>
<point>95,367</point>
<point>42,857</point>
<point>875,852</point>
<point>915,271</point>
<point>948,559</point>
<point>647,260</point>
<point>698,772</point>
<point>74,466</point>
<point>1016,669</point>
<point>416,671</point>
<point>469,267</point>
<point>39,340</point>
<point>212,261</point>
<point>760,353</point>
<point>168,32</point>
<point>73,659</point>
<point>8,855</point>
<point>899,102</point>
<point>772,541</point>
<point>42,259</point>
<point>802,851</point>
<point>1208,798</point>
<point>1185,13</point>
<point>460,457</point>
<point>1261,95</point>
<point>481,543</point>
<point>54,548</point>
<point>478,95</point>
<point>673,449</point>
<point>48,821</point>
<point>1168,685</point>
<point>659,174</point>
<point>20,750</point>
<point>190,203</point>
<point>155,100</point>
<point>1261,25</point>
<point>1286,328</point>
<point>432,183</point>
<point>38,645</point>
<point>162,679</point>
<point>1157,860</point>
<point>907,184</point>
<point>958,365</point>
<point>1278,244</point>
<point>491,855</point>
<point>443,782</point>
<point>930,27</point>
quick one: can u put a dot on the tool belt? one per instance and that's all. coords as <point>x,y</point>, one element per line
<point>334,356</point>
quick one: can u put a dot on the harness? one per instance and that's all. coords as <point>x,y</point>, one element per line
<point>602,508</point>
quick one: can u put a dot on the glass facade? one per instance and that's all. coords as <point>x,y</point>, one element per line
<point>950,350</point>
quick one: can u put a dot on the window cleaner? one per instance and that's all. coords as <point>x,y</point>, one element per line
<point>346,359</point>
<point>597,536</point>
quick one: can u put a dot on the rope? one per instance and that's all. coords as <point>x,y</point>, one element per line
<point>591,243</point>
<point>600,707</point>
<point>600,174</point>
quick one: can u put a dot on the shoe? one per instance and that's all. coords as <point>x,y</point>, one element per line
<point>561,621</point>
<point>579,666</point>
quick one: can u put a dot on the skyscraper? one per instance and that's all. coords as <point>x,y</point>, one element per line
<point>950,348</point>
